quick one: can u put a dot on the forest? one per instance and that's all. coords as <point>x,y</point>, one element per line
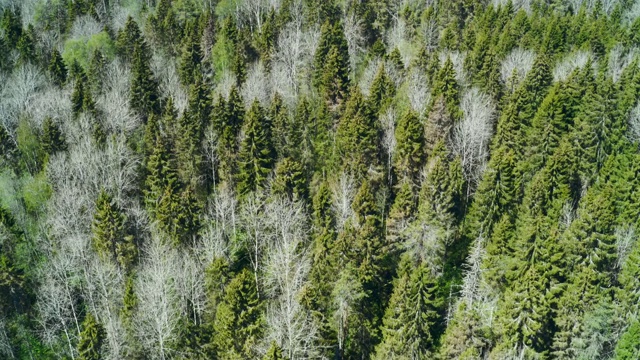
<point>319,179</point>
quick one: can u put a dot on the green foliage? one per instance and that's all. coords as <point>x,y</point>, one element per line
<point>82,49</point>
<point>257,155</point>
<point>409,156</point>
<point>357,136</point>
<point>239,319</point>
<point>144,93</point>
<point>110,236</point>
<point>57,69</point>
<point>91,340</point>
<point>290,180</point>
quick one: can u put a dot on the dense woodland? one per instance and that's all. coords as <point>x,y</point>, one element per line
<point>319,179</point>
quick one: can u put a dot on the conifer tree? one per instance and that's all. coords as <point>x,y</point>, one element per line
<point>52,138</point>
<point>12,26</point>
<point>357,136</point>
<point>57,69</point>
<point>446,85</point>
<point>91,339</point>
<point>95,74</point>
<point>239,319</point>
<point>628,347</point>
<point>274,353</point>
<point>438,126</point>
<point>256,156</point>
<point>335,78</point>
<point>382,91</point>
<point>191,56</point>
<point>144,93</point>
<point>411,316</point>
<point>110,237</point>
<point>129,37</point>
<point>409,156</point>
<point>290,180</point>
<point>27,46</point>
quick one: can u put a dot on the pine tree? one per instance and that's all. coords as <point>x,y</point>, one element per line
<point>110,237</point>
<point>290,180</point>
<point>409,156</point>
<point>57,69</point>
<point>357,136</point>
<point>91,339</point>
<point>239,319</point>
<point>257,155</point>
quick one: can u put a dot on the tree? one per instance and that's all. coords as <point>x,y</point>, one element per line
<point>409,156</point>
<point>382,91</point>
<point>57,69</point>
<point>274,353</point>
<point>144,95</point>
<point>257,155</point>
<point>628,347</point>
<point>290,180</point>
<point>52,139</point>
<point>129,37</point>
<point>91,339</point>
<point>412,315</point>
<point>239,319</point>
<point>446,86</point>
<point>110,237</point>
<point>357,136</point>
<point>191,56</point>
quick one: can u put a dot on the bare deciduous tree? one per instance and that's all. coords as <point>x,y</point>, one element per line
<point>344,191</point>
<point>569,63</point>
<point>352,27</point>
<point>159,309</point>
<point>388,126</point>
<point>286,269</point>
<point>254,224</point>
<point>516,66</point>
<point>257,85</point>
<point>418,92</point>
<point>619,59</point>
<point>471,136</point>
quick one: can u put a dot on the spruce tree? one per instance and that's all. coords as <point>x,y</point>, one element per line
<point>57,69</point>
<point>357,137</point>
<point>274,353</point>
<point>447,86</point>
<point>189,64</point>
<point>290,180</point>
<point>144,93</point>
<point>52,138</point>
<point>239,319</point>
<point>129,37</point>
<point>409,156</point>
<point>412,315</point>
<point>382,91</point>
<point>110,237</point>
<point>257,155</point>
<point>91,339</point>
